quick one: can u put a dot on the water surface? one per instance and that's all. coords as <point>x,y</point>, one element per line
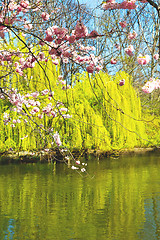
<point>43,202</point>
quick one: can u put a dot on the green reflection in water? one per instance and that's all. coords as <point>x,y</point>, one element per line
<point>122,201</point>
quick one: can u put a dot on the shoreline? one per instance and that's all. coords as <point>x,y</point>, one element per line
<point>54,155</point>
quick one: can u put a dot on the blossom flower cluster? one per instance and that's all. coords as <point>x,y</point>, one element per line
<point>151,85</point>
<point>57,139</point>
<point>32,105</point>
<point>63,83</point>
<point>132,35</point>
<point>66,46</point>
<point>129,50</point>
<point>81,166</point>
<point>156,56</point>
<point>62,45</point>
<point>126,4</point>
<point>11,13</point>
<point>143,60</point>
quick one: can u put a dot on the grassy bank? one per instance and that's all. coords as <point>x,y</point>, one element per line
<point>55,156</point>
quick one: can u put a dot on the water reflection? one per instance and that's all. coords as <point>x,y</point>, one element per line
<point>9,233</point>
<point>122,201</point>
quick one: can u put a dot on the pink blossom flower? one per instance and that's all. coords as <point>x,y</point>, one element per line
<point>122,82</point>
<point>49,32</point>
<point>156,56</point>
<point>132,35</point>
<point>55,62</point>
<point>129,50</point>
<point>5,115</point>
<point>143,60</point>
<point>63,109</point>
<point>98,68</point>
<point>48,39</point>
<point>35,94</point>
<point>53,113</point>
<point>57,139</point>
<point>2,34</point>
<point>41,56</point>
<point>51,94</point>
<point>113,61</point>
<point>14,121</point>
<point>24,3</point>
<point>45,92</point>
<point>66,116</point>
<point>40,116</point>
<point>123,24</point>
<point>28,26</point>
<point>38,103</point>
<point>18,121</point>
<point>72,39</point>
<point>128,4</point>
<point>111,4</point>
<point>21,61</point>
<point>93,34</point>
<point>60,32</point>
<point>19,70</point>
<point>2,96</point>
<point>157,83</point>
<point>34,110</point>
<point>47,109</point>
<point>78,162</point>
<point>12,6</point>
<point>90,68</point>
<point>80,30</point>
<point>148,87</point>
<point>45,16</point>
<point>151,85</point>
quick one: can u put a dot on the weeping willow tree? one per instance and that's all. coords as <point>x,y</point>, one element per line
<point>111,114</point>
<point>104,114</point>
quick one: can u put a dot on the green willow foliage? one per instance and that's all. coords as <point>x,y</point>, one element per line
<point>114,111</point>
<point>105,115</point>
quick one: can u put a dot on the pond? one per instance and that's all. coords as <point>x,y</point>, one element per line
<point>120,199</point>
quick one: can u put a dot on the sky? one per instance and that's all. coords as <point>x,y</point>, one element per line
<point>91,3</point>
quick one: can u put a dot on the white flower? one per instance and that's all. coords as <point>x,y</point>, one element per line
<point>83,170</point>
<point>84,164</point>
<point>73,167</point>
